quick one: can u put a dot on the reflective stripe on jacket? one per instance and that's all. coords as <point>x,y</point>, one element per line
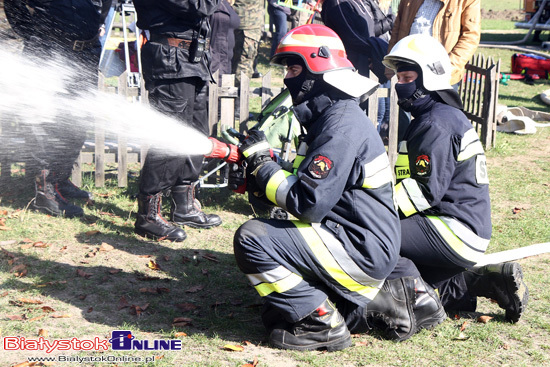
<point>448,179</point>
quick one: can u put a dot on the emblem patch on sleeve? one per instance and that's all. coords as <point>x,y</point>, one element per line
<point>320,166</point>
<point>423,165</point>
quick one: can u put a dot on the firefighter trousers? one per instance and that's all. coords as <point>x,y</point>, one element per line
<point>439,266</point>
<point>293,280</point>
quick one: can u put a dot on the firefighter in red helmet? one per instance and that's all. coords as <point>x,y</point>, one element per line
<point>336,269</point>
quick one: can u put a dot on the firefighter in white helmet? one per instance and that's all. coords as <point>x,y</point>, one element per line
<point>336,269</point>
<point>443,186</point>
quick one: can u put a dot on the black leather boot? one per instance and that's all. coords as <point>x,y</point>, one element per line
<point>186,210</point>
<point>428,310</point>
<point>391,311</point>
<point>503,283</point>
<point>50,201</point>
<point>70,190</point>
<point>324,328</point>
<point>151,224</point>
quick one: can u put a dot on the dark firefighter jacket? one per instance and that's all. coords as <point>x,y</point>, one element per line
<point>61,20</point>
<point>343,180</point>
<point>359,23</point>
<point>448,180</point>
<point>184,19</point>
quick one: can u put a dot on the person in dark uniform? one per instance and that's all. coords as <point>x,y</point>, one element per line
<point>175,63</point>
<point>69,30</point>
<point>443,189</point>
<point>336,269</point>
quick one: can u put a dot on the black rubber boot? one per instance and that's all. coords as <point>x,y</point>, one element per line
<point>151,224</point>
<point>324,328</point>
<point>186,210</point>
<point>428,310</point>
<point>503,283</point>
<point>50,201</point>
<point>69,190</point>
<point>391,311</point>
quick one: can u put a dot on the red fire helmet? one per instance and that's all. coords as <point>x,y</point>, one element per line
<point>318,45</point>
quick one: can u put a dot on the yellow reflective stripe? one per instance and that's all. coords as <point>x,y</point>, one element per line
<point>415,194</point>
<point>454,242</point>
<point>297,161</point>
<point>402,163</point>
<point>255,148</point>
<point>331,266</point>
<point>405,204</point>
<point>465,234</point>
<point>377,172</point>
<point>273,184</point>
<point>469,146</point>
<point>280,286</point>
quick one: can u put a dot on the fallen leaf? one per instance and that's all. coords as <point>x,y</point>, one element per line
<point>464,325</point>
<point>145,256</point>
<point>30,301</point>
<point>148,290</point>
<point>147,278</point>
<point>63,248</point>
<point>186,306</point>
<point>153,265</point>
<point>516,210</point>
<point>15,317</point>
<point>64,316</point>
<point>90,309</point>
<point>195,289</point>
<point>4,294</point>
<point>106,247</point>
<point>462,336</point>
<point>19,269</point>
<point>234,348</point>
<point>185,259</point>
<point>43,332</point>
<point>178,334</point>
<point>115,271</point>
<point>505,346</point>
<point>159,357</point>
<point>37,318</point>
<point>163,290</point>
<point>182,321</point>
<point>166,258</point>
<point>91,233</point>
<point>27,246</point>
<point>211,257</point>
<point>138,310</point>
<point>123,303</point>
<point>82,273</point>
<point>22,364</point>
<point>4,228</point>
<point>484,319</point>
<point>40,244</point>
<point>47,309</point>
<point>82,297</point>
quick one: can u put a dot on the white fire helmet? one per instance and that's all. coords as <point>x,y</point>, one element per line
<point>428,54</point>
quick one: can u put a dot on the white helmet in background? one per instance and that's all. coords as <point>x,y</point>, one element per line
<point>428,54</point>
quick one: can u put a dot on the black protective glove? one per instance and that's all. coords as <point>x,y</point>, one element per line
<point>256,151</point>
<point>236,180</point>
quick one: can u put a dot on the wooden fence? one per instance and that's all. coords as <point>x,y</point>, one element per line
<point>479,93</point>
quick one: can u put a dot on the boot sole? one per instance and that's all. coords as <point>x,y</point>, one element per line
<point>332,346</point>
<point>156,238</point>
<point>47,210</point>
<point>195,225</point>
<point>515,287</point>
<point>431,322</point>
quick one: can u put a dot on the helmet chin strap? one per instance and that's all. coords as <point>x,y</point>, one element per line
<point>407,103</point>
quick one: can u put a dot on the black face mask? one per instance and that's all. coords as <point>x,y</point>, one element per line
<point>295,85</point>
<point>408,94</point>
<point>405,90</point>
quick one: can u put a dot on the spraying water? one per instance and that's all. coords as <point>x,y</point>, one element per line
<point>32,93</point>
